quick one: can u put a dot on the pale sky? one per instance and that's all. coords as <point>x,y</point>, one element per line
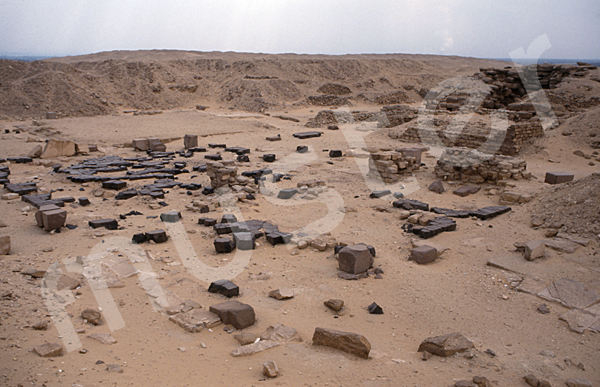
<point>479,28</point>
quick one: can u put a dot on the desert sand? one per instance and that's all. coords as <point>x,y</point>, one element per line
<point>239,100</point>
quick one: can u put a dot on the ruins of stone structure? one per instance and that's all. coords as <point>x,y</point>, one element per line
<point>221,173</point>
<point>469,165</point>
<point>474,136</point>
<point>391,166</point>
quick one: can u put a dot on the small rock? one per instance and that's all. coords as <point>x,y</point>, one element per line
<point>235,313</point>
<point>579,383</point>
<point>334,304</point>
<point>423,254</point>
<point>446,345</point>
<point>532,380</point>
<point>104,338</point>
<point>245,338</point>
<point>355,259</point>
<point>251,349</point>
<point>41,326</point>
<point>543,309</point>
<point>437,187</point>
<point>534,249</point>
<point>281,294</point>
<point>375,309</point>
<point>345,341</point>
<point>114,368</point>
<point>270,369</point>
<point>92,316</point>
<point>49,350</point>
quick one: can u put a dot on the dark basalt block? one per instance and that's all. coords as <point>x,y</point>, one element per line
<point>224,287</point>
<point>110,224</point>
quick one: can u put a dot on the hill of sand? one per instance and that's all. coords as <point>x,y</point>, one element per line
<point>109,83</point>
<point>480,286</point>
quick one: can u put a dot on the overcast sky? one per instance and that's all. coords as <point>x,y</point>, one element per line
<point>479,28</point>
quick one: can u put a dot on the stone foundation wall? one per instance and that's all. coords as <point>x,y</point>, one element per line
<point>476,136</point>
<point>391,166</point>
<point>471,166</point>
<point>221,173</point>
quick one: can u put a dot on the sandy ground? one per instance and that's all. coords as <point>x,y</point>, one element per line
<point>457,293</point>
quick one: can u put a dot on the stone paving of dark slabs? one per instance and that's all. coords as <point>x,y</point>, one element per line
<point>21,188</point>
<point>408,204</point>
<point>237,150</point>
<point>451,213</point>
<point>305,135</point>
<point>110,224</point>
<point>490,212</point>
<point>433,227</point>
<point>20,160</point>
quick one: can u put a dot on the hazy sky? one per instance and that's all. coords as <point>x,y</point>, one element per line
<point>480,28</point>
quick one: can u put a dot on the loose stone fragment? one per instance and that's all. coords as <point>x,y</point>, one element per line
<point>270,369</point>
<point>558,177</point>
<point>375,309</point>
<point>534,249</point>
<point>245,338</point>
<point>92,316</point>
<point>170,217</point>
<point>110,224</point>
<point>423,254</point>
<point>379,194</point>
<point>158,236</point>
<point>334,304</point>
<point>287,193</point>
<point>465,191</point>
<point>4,245</point>
<point>446,345</point>
<point>235,313</point>
<point>224,245</point>
<point>224,287</point>
<point>355,259</point>
<point>49,350</point>
<point>269,158</point>
<point>335,153</point>
<point>281,294</point>
<point>437,187</point>
<point>104,338</point>
<point>345,341</point>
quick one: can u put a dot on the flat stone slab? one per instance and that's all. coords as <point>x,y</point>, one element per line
<point>196,320</point>
<point>305,135</point>
<point>344,341</point>
<point>104,338</point>
<point>251,349</point>
<point>580,320</point>
<point>49,350</point>
<point>570,293</point>
<point>281,334</point>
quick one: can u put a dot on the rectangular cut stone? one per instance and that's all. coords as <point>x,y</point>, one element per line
<point>141,144</point>
<point>53,219</point>
<point>190,141</point>
<point>558,177</point>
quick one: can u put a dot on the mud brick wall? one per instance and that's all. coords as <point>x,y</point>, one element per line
<point>391,166</point>
<point>471,166</point>
<point>476,137</point>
